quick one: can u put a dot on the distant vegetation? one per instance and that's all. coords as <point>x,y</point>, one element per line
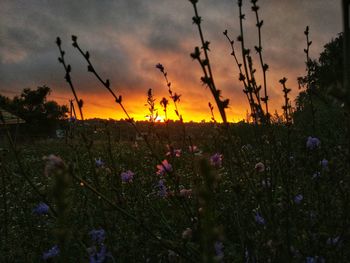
<point>41,115</point>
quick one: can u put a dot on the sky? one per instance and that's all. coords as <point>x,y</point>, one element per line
<point>127,38</point>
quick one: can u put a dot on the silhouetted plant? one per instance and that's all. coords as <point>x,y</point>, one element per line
<point>208,78</point>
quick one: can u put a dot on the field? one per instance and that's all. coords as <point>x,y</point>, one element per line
<point>273,194</point>
<point>274,187</point>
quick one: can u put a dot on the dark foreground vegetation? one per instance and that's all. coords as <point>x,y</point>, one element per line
<point>276,189</point>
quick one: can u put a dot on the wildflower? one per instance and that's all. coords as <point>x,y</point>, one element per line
<point>98,256</point>
<point>173,152</point>
<point>187,233</point>
<point>333,240</point>
<point>172,256</point>
<point>97,236</point>
<point>177,152</point>
<point>313,215</point>
<point>127,176</point>
<point>298,198</point>
<point>259,219</point>
<point>266,183</point>
<point>260,167</point>
<point>316,175</point>
<point>219,249</point>
<point>310,260</point>
<point>324,163</point>
<point>216,160</point>
<point>312,143</point>
<point>164,167</point>
<point>51,253</point>
<point>160,67</point>
<point>162,188</point>
<point>176,97</point>
<point>53,163</point>
<point>164,102</point>
<point>99,162</point>
<point>186,193</point>
<point>315,259</point>
<point>193,148</point>
<point>41,209</point>
<point>246,255</point>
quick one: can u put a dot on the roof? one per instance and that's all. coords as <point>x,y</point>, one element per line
<point>10,118</point>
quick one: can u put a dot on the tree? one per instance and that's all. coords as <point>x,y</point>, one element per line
<point>35,109</point>
<point>323,84</point>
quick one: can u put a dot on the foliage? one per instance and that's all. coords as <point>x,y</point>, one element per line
<point>34,108</point>
<point>32,105</point>
<point>325,87</point>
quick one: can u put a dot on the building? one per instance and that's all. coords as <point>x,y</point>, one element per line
<point>10,122</point>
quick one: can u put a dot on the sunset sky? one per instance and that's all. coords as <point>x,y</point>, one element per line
<point>127,38</point>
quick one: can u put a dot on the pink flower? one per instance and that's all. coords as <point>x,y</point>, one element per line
<point>164,167</point>
<point>193,148</point>
<point>186,193</point>
<point>260,167</point>
<point>173,152</point>
<point>177,152</point>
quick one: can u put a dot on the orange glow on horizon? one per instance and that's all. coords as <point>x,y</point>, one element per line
<point>105,108</point>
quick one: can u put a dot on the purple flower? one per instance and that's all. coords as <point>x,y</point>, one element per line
<point>127,176</point>
<point>41,209</point>
<point>315,259</point>
<point>51,253</point>
<point>162,190</point>
<point>324,163</point>
<point>259,219</point>
<point>298,198</point>
<point>219,249</point>
<point>216,160</point>
<point>99,162</point>
<point>164,168</point>
<point>98,256</point>
<point>160,67</point>
<point>97,235</point>
<point>310,260</point>
<point>312,143</point>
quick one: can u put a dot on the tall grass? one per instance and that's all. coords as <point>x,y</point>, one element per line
<point>251,192</point>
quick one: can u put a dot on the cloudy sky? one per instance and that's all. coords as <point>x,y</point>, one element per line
<point>127,38</point>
